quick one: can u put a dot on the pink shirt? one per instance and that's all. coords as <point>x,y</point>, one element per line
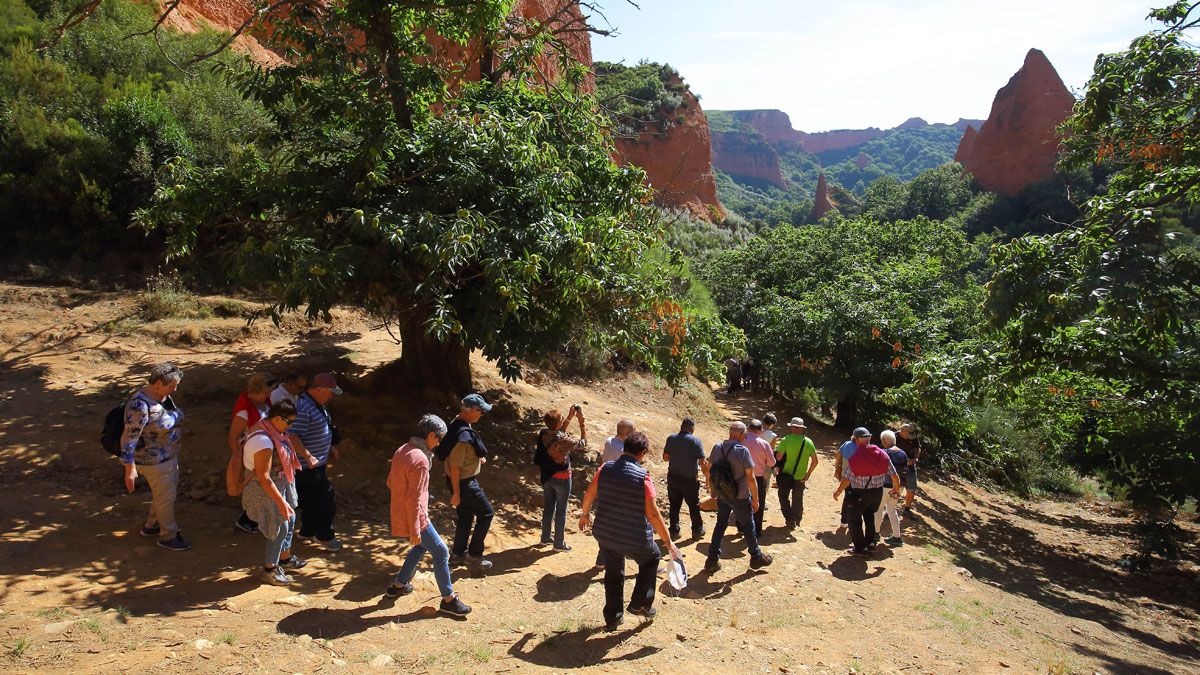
<point>760,452</point>
<point>408,481</point>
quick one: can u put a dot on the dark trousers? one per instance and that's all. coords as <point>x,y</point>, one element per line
<point>682,489</point>
<point>474,517</point>
<point>317,505</point>
<point>791,497</point>
<point>861,506</point>
<point>762,504</point>
<point>846,509</point>
<point>247,520</point>
<point>740,509</point>
<point>614,580</point>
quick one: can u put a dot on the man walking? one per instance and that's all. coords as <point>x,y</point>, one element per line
<point>869,468</point>
<point>312,437</point>
<point>764,460</point>
<point>150,447</point>
<point>684,454</point>
<point>911,445</point>
<point>796,457</point>
<point>292,386</point>
<point>731,480</point>
<point>464,455</point>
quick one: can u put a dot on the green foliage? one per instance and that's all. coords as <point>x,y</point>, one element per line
<point>644,96</point>
<point>900,153</point>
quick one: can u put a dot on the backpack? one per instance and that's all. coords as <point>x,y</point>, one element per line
<point>114,426</point>
<point>723,482</point>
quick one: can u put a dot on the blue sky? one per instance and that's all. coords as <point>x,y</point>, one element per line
<point>860,63</point>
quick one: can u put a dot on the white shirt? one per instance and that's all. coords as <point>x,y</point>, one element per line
<point>254,445</point>
<point>613,449</point>
<point>768,435</point>
<point>279,393</point>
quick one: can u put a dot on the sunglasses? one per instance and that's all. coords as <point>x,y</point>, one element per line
<point>288,420</point>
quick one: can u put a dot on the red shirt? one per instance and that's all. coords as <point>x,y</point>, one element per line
<point>408,481</point>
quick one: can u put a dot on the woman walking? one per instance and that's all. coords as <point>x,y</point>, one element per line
<point>269,496</point>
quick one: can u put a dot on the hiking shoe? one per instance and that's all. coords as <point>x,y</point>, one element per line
<point>454,607</point>
<point>276,576</point>
<point>614,623</point>
<point>564,547</point>
<point>543,542</point>
<point>305,539</point>
<point>176,544</point>
<point>761,561</point>
<point>151,531</point>
<point>458,559</point>
<point>698,534</point>
<point>332,545</point>
<point>864,552</point>
<point>674,532</point>
<point>394,591</point>
<point>293,563</point>
<point>247,526</point>
<point>894,541</point>
<point>875,539</point>
<point>712,565</point>
<point>647,612</point>
<point>478,562</point>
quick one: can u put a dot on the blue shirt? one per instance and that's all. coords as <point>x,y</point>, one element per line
<point>847,451</point>
<point>685,451</point>
<point>313,428</point>
<point>152,432</point>
<point>899,460</point>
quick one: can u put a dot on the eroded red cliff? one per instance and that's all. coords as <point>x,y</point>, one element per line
<point>965,145</point>
<point>746,155</point>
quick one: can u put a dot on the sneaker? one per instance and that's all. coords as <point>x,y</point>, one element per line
<point>249,527</point>
<point>458,559</point>
<point>176,544</point>
<point>564,547</point>
<point>647,612</point>
<point>479,562</point>
<point>454,607</point>
<point>789,524</point>
<point>698,534</point>
<point>151,531</point>
<point>304,539</point>
<point>330,544</point>
<point>276,576</point>
<point>614,624</point>
<point>546,541</point>
<point>894,541</point>
<point>394,591</point>
<point>761,561</point>
<point>712,565</point>
<point>876,538</point>
<point>293,563</point>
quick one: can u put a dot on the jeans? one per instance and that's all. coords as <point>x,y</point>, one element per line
<point>861,506</point>
<point>762,505</point>
<point>740,509</point>
<point>888,506</point>
<point>791,497</point>
<point>163,479</point>
<point>682,489</point>
<point>473,508</point>
<point>282,542</point>
<point>317,503</point>
<point>614,580</point>
<point>556,492</point>
<point>431,543</point>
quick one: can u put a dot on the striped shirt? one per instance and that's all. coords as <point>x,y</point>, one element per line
<point>313,428</point>
<point>868,482</point>
<point>152,432</point>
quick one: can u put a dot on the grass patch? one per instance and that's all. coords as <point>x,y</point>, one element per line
<point>226,639</point>
<point>961,616</point>
<point>366,657</point>
<point>934,551</point>
<point>93,624</point>
<point>166,297</point>
<point>52,613</point>
<point>18,648</point>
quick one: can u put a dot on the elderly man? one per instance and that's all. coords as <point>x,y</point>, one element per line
<point>764,460</point>
<point>797,459</point>
<point>464,454</point>
<point>732,458</point>
<point>626,519</point>
<point>150,446</point>
<point>312,437</point>
<point>408,482</point>
<point>869,469</point>
<point>614,446</point>
<point>294,384</point>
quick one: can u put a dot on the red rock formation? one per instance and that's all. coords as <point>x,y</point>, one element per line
<point>1018,143</point>
<point>862,160</point>
<point>746,155</point>
<point>678,162</point>
<point>823,203</point>
<point>965,145</point>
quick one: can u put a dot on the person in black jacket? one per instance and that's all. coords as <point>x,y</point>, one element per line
<point>553,458</point>
<point>463,453</point>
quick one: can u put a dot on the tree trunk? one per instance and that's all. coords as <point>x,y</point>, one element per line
<point>847,412</point>
<point>434,368</point>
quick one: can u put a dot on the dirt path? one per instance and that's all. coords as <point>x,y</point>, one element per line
<point>984,583</point>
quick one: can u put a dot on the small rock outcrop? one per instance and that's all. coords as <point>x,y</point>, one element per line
<point>1018,144</point>
<point>823,203</point>
<point>965,145</point>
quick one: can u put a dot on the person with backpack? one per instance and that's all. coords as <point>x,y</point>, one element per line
<point>869,468</point>
<point>627,517</point>
<point>250,407</point>
<point>796,457</point>
<point>149,446</point>
<point>552,455</point>
<point>889,504</point>
<point>684,454</point>
<point>269,495</point>
<point>731,481</point>
<point>408,483</point>
<point>314,438</point>
<point>463,454</point>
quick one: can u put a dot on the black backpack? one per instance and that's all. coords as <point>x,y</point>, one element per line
<point>114,426</point>
<point>724,483</point>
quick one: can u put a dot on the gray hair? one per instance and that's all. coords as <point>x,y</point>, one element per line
<point>888,438</point>
<point>430,424</point>
<point>167,373</point>
<point>739,427</point>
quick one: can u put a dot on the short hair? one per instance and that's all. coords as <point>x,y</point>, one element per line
<point>256,382</point>
<point>755,425</point>
<point>887,435</point>
<point>430,424</point>
<point>637,443</point>
<point>739,427</point>
<point>284,408</point>
<point>166,373</point>
<point>295,376</point>
<point>553,419</point>
<point>770,418</point>
<point>625,425</point>
<point>687,423</point>
<point>909,427</point>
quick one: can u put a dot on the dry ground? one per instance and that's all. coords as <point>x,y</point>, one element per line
<point>985,583</point>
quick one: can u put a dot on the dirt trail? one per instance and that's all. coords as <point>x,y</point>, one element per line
<point>984,583</point>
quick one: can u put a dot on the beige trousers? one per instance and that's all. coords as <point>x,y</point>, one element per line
<point>164,485</point>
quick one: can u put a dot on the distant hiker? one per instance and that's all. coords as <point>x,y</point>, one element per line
<point>796,458</point>
<point>614,446</point>
<point>731,480</point>
<point>733,375</point>
<point>408,482</point>
<point>270,495</point>
<point>911,445</point>
<point>553,458</point>
<point>314,439</point>
<point>841,470</point>
<point>684,454</point>
<point>464,455</point>
<point>627,518</point>
<point>150,447</point>
<point>764,459</point>
<point>749,375</point>
<point>888,506</point>
<point>250,407</point>
<point>869,467</point>
<point>294,384</point>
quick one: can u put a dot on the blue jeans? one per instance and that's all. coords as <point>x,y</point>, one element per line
<point>282,541</point>
<point>431,542</point>
<point>556,492</point>
<point>740,510</point>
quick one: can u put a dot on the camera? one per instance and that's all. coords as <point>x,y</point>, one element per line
<point>577,408</point>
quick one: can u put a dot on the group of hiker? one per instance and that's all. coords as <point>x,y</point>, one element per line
<point>282,439</point>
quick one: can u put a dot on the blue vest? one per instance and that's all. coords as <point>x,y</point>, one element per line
<point>621,523</point>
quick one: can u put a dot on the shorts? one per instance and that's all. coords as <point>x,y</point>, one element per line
<point>911,483</point>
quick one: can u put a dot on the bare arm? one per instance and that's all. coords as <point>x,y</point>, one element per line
<point>812,466</point>
<point>656,521</point>
<point>753,485</point>
<point>841,487</point>
<point>236,426</point>
<point>301,451</point>
<point>589,497</point>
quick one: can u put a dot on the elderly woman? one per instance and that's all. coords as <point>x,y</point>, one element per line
<point>270,495</point>
<point>408,482</point>
<point>150,447</point>
<point>553,458</point>
<point>251,406</point>
<point>888,505</point>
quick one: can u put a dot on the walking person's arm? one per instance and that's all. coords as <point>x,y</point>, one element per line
<point>841,488</point>
<point>589,497</point>
<point>752,483</point>
<point>418,484</point>
<point>135,422</point>
<point>656,521</point>
<point>812,466</point>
